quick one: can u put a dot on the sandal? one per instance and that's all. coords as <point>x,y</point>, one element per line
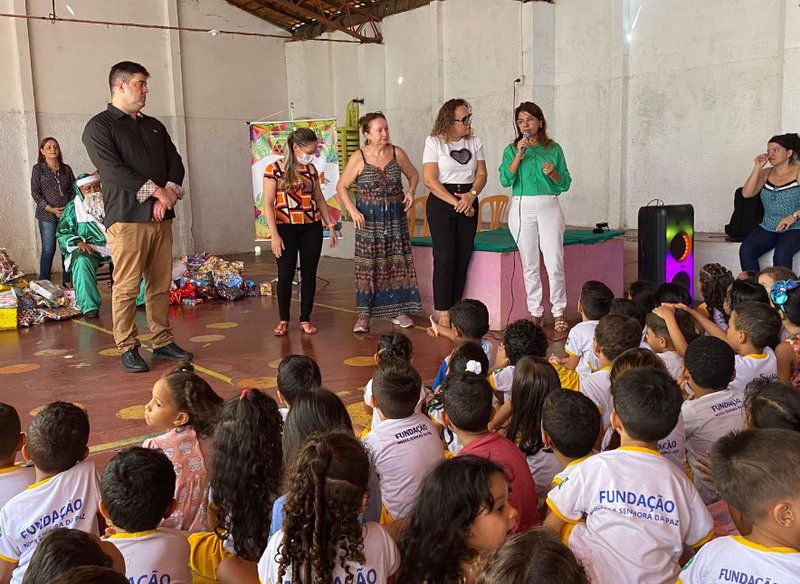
<point>362,325</point>
<point>308,328</point>
<point>282,329</point>
<point>537,320</point>
<point>560,323</point>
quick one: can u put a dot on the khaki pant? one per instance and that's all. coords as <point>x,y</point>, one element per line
<point>141,250</point>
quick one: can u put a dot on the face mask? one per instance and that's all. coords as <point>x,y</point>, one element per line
<point>304,158</point>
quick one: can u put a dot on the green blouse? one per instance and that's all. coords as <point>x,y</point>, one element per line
<point>529,179</point>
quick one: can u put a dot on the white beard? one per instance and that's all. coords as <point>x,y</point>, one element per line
<point>93,202</point>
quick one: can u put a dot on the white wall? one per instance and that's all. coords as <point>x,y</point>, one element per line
<point>678,112</point>
<point>203,88</point>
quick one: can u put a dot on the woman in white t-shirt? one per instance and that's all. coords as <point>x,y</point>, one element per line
<point>454,170</point>
<point>321,538</point>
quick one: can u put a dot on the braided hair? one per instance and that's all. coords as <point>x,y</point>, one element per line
<point>193,395</point>
<point>714,281</point>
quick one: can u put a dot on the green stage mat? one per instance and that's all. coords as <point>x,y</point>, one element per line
<point>500,240</point>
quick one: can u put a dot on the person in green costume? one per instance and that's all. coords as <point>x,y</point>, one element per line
<point>81,236</point>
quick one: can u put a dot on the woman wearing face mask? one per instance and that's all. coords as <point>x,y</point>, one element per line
<point>51,189</point>
<point>386,282</point>
<point>535,169</point>
<point>779,188</point>
<point>295,211</point>
<point>455,173</point>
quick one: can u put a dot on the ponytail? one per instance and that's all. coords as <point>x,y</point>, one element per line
<point>193,395</point>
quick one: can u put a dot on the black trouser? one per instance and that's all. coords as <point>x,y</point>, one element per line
<point>452,236</point>
<point>307,240</point>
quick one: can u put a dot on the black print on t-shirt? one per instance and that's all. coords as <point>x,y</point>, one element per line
<point>461,156</point>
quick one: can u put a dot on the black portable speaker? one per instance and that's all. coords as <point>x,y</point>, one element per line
<point>666,245</point>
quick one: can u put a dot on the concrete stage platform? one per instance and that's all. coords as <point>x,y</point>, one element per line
<point>496,279</point>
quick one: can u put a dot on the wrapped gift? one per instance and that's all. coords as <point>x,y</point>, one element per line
<point>8,269</point>
<point>265,288</point>
<point>46,289</point>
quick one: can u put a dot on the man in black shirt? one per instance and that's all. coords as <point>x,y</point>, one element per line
<point>142,173</point>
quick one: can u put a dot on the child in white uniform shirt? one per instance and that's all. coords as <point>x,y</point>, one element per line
<point>758,474</point>
<point>405,445</point>
<point>329,476</point>
<point>594,304</point>
<point>65,493</point>
<point>615,334</point>
<point>14,478</point>
<point>715,410</point>
<point>136,494</point>
<point>659,341</point>
<point>752,328</point>
<point>571,442</point>
<point>633,494</point>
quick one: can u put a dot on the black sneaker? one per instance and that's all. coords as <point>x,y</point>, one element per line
<point>132,362</point>
<point>172,352</point>
<point>92,314</point>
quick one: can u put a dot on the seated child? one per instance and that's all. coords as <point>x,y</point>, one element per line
<point>752,328</point>
<point>673,447</point>
<point>570,427</point>
<point>758,474</point>
<point>659,341</point>
<point>770,404</point>
<point>296,374</point>
<point>185,404</point>
<point>771,274</point>
<point>743,291</point>
<point>466,357</point>
<point>785,297</point>
<point>90,575</point>
<point>405,446</point>
<point>135,495</point>
<point>633,494</point>
<point>642,292</point>
<point>65,491</point>
<point>535,557</point>
<point>713,281</point>
<point>594,304</point>
<point>14,478</point>
<point>63,548</point>
<point>521,339</point>
<point>715,410</point>
<point>330,475</point>
<point>615,334</point>
<point>393,345</point>
<point>469,322</point>
<point>467,411</point>
<point>462,514</point>
<point>534,380</point>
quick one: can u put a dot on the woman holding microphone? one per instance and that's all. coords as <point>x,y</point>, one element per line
<point>535,168</point>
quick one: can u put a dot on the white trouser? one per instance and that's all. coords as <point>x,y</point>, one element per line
<point>537,224</point>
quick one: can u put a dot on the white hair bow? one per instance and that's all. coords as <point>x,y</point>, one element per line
<point>474,367</point>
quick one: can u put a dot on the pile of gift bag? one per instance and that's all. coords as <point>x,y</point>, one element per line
<point>202,277</point>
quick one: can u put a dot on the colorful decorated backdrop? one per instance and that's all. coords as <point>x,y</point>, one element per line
<point>267,141</point>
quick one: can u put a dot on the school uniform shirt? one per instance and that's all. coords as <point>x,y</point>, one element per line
<point>376,419</point>
<point>737,559</point>
<point>674,363</point>
<point>381,559</point>
<point>521,490</point>
<point>13,480</point>
<point>597,387</point>
<point>629,514</point>
<point>68,499</point>
<point>707,419</point>
<point>580,343</point>
<point>673,447</point>
<point>565,473</point>
<point>162,552</point>
<point>457,161</point>
<point>750,367</point>
<point>403,452</point>
<point>501,381</point>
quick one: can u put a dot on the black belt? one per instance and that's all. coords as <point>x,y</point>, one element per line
<point>458,189</point>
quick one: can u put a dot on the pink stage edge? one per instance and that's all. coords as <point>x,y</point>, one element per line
<point>496,279</point>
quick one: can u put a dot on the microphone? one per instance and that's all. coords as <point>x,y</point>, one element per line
<point>525,136</point>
